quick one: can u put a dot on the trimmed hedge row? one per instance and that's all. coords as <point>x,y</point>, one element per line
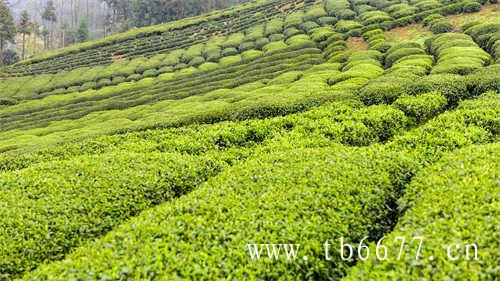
<point>442,205</point>
<point>438,24</point>
<point>456,53</point>
<point>363,126</point>
<point>377,40</point>
<point>359,69</point>
<point>177,87</point>
<point>50,208</point>
<point>408,62</point>
<point>487,35</point>
<point>248,199</point>
<point>188,32</point>
<point>240,103</point>
<point>422,107</point>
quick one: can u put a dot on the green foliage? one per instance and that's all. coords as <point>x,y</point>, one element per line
<point>422,107</point>
<point>381,171</point>
<point>85,198</point>
<point>449,192</point>
<point>346,25</point>
<point>315,13</point>
<point>452,86</point>
<point>457,53</point>
<point>82,33</point>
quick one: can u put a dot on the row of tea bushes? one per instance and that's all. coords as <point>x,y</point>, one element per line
<point>53,207</point>
<point>162,88</point>
<point>148,43</point>
<point>441,205</point>
<point>358,70</point>
<point>374,124</point>
<point>377,40</point>
<point>202,56</point>
<point>158,182</point>
<point>438,24</point>
<point>487,35</point>
<point>456,53</point>
<point>253,100</point>
<point>264,208</point>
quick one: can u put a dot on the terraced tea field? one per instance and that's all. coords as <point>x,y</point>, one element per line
<point>168,152</point>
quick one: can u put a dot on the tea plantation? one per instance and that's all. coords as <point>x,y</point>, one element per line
<point>162,152</point>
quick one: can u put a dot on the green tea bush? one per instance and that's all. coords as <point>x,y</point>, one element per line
<point>382,90</point>
<point>422,107</point>
<point>274,26</point>
<point>395,55</point>
<point>484,80</point>
<point>286,78</point>
<point>308,26</point>
<point>292,31</point>
<point>274,46</point>
<point>427,5</point>
<point>233,40</point>
<point>440,26</point>
<point>294,20</point>
<point>196,61</point>
<point>363,8</point>
<point>192,52</point>
<point>229,52</point>
<point>334,6</point>
<point>452,86</point>
<point>327,21</point>
<point>208,66</point>
<point>315,13</point>
<point>372,17</point>
<point>245,46</point>
<point>225,61</point>
<point>457,53</point>
<point>437,194</point>
<point>431,18</point>
<point>254,33</point>
<point>347,25</point>
<point>345,14</point>
<point>322,33</point>
<point>261,42</point>
<point>85,198</point>
<point>471,6</point>
<point>276,37</point>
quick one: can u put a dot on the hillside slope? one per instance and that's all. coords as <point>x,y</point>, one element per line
<point>161,153</point>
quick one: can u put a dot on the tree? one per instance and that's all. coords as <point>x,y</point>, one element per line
<point>7,27</point>
<point>9,57</point>
<point>25,29</point>
<point>45,34</point>
<point>82,33</point>
<point>49,15</point>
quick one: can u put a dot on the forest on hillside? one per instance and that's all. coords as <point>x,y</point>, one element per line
<point>35,26</point>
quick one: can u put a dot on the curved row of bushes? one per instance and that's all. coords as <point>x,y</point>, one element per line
<point>158,39</point>
<point>156,42</point>
<point>72,106</point>
<point>456,53</point>
<point>258,201</point>
<point>252,100</point>
<point>358,70</point>
<point>487,35</point>
<point>111,179</point>
<point>441,205</point>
